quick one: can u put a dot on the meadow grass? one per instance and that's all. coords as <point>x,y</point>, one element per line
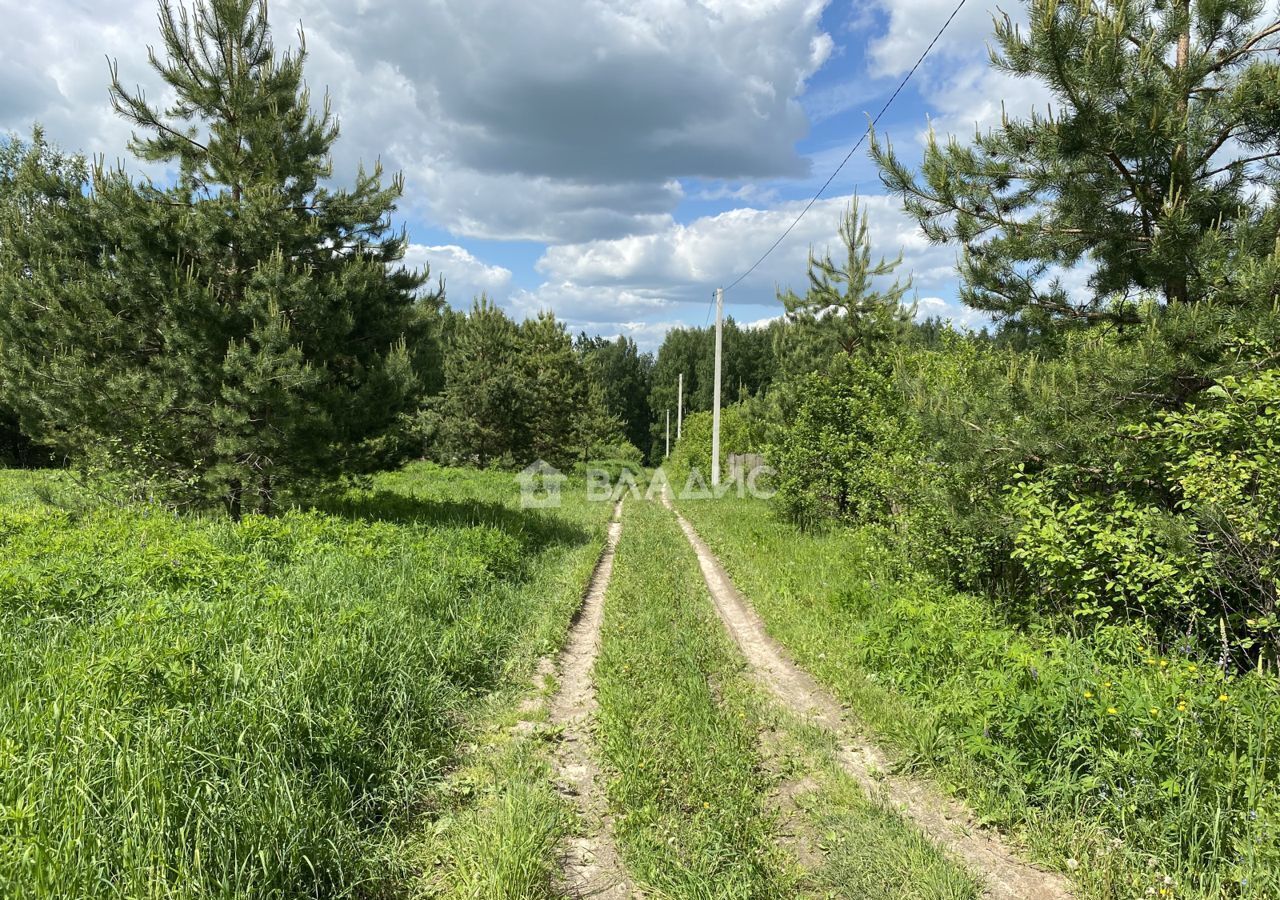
<point>192,707</point>
<point>677,727</point>
<point>1144,775</point>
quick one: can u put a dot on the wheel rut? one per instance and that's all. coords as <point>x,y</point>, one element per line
<point>946,822</point>
<point>590,864</point>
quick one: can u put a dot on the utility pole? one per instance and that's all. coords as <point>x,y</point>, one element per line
<point>680,408</point>
<point>715,399</point>
<point>668,433</point>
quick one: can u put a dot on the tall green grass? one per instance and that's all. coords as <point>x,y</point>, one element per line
<point>677,726</point>
<point>200,708</point>
<point>1150,773</point>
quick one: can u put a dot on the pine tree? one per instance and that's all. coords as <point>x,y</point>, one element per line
<point>624,376</point>
<point>843,303</point>
<point>1155,163</point>
<point>555,389</point>
<point>247,326</point>
<point>479,417</point>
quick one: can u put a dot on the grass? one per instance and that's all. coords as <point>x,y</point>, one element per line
<point>716,792</point>
<point>191,707</point>
<point>1151,774</point>
<point>848,845</point>
<point>677,727</point>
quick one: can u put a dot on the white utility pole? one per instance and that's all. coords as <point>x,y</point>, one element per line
<point>715,399</point>
<point>668,432</point>
<point>680,408</point>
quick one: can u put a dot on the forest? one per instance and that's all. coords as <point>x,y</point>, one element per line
<point>275,622</point>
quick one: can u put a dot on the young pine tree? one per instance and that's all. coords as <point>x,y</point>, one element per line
<point>1155,163</point>
<point>245,327</point>
<point>843,308</point>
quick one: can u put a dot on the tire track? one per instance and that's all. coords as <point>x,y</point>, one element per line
<point>945,821</point>
<point>590,864</point>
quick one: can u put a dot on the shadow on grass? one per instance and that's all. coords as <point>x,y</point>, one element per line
<point>535,529</point>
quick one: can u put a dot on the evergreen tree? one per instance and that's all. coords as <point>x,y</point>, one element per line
<point>39,185</point>
<point>243,327</point>
<point>624,376</point>
<point>842,304</point>
<point>478,418</point>
<point>1156,163</point>
<point>597,432</point>
<point>554,390</point>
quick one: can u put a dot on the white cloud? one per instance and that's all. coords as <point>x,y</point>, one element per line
<point>654,278</point>
<point>957,80</point>
<point>557,120</point>
<point>912,24</point>
<point>465,276</point>
<point>714,249</point>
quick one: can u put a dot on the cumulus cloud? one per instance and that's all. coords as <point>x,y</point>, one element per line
<point>553,121</point>
<point>961,88</point>
<point>714,249</point>
<point>658,277</point>
<point>465,276</point>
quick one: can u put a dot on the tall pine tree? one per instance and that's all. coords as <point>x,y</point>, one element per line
<point>243,328</point>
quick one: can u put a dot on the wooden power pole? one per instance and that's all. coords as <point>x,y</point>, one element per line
<point>715,392</point>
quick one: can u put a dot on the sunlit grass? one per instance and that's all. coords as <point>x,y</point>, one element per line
<point>677,728</point>
<point>191,707</point>
<point>1145,772</point>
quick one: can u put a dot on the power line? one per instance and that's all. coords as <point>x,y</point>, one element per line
<point>849,156</point>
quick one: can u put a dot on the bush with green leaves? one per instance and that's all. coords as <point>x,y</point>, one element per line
<point>1221,456</point>
<point>845,456</point>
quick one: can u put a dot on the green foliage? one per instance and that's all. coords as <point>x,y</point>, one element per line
<point>195,708</point>
<point>1139,764</point>
<point>246,325</point>
<point>740,432</point>
<point>624,376</point>
<point>844,455</point>
<point>1104,558</point>
<point>1222,457</point>
<point>516,393</point>
<point>1154,164</point>
<point>747,370</point>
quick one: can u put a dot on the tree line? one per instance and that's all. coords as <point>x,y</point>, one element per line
<point>244,328</point>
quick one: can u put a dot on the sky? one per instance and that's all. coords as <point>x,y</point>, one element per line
<point>613,161</point>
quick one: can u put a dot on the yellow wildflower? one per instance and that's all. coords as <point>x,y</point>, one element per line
<point>1088,695</point>
<point>1111,711</point>
<point>1223,698</point>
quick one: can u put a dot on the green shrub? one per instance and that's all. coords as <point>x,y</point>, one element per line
<point>848,455</point>
<point>1222,457</point>
<point>1106,558</point>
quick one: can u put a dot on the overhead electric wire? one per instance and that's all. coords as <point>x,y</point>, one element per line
<point>849,156</point>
